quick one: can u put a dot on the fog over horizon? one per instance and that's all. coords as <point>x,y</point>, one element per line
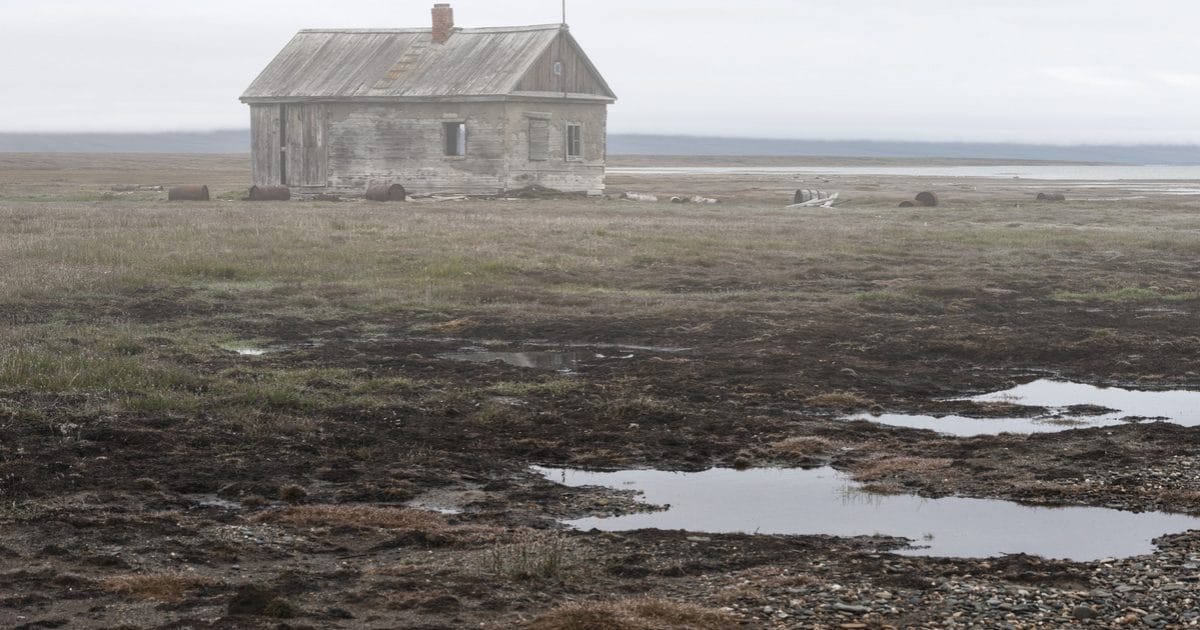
<point>1061,73</point>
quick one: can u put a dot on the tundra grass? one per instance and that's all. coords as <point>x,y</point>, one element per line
<point>140,299</point>
<point>481,256</point>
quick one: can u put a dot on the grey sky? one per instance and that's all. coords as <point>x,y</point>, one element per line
<point>1011,70</point>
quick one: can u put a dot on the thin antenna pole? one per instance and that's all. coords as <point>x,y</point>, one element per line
<point>564,11</point>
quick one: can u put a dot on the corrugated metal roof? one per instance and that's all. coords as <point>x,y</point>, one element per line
<point>401,63</point>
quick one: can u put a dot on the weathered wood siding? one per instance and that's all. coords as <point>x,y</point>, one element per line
<point>404,143</point>
<point>349,146</point>
<point>304,145</point>
<point>557,171</point>
<point>264,145</point>
<point>576,76</point>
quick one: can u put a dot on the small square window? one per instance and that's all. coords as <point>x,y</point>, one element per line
<point>456,138</point>
<point>574,141</point>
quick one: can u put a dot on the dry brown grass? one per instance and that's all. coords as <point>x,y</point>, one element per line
<point>1180,496</point>
<point>839,400</point>
<point>803,446</point>
<point>633,614</point>
<point>357,516</point>
<point>532,555</point>
<point>292,493</point>
<point>878,469</point>
<point>168,586</point>
<point>452,326</point>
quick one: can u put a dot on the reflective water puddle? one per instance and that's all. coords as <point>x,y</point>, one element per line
<point>542,360</point>
<point>562,357</point>
<point>1066,401</point>
<point>824,501</point>
<point>559,360</point>
<point>627,346</point>
<point>245,351</point>
<point>962,426</point>
<point>212,501</point>
<point>433,507</point>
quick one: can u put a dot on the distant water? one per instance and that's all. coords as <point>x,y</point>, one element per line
<point>238,141</point>
<point>631,144</point>
<point>1054,172</point>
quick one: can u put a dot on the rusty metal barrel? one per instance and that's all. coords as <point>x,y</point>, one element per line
<point>805,195</point>
<point>908,204</point>
<point>270,193</point>
<point>188,193</point>
<point>927,199</point>
<point>386,192</point>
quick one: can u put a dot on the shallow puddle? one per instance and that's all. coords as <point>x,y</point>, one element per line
<point>1120,406</point>
<point>212,501</point>
<point>542,360</point>
<point>432,507</point>
<point>824,501</point>
<point>627,346</point>
<point>962,426</point>
<point>245,351</point>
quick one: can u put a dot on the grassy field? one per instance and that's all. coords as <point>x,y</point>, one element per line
<point>79,253</point>
<point>74,264</point>
<point>126,387</point>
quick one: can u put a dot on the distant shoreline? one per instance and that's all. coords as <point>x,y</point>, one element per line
<point>631,149</point>
<point>638,160</point>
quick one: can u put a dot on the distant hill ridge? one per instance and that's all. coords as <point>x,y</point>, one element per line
<point>223,141</point>
<point>238,141</point>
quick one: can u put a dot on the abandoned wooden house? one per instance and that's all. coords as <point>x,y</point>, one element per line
<point>441,109</point>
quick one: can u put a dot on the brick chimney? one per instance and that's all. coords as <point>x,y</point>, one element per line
<point>443,22</point>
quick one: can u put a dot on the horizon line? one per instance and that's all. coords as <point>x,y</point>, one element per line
<point>676,135</point>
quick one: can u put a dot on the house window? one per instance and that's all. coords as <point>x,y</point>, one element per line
<point>574,141</point>
<point>456,138</point>
<point>539,139</point>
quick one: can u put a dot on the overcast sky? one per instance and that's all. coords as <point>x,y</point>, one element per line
<point>1057,71</point>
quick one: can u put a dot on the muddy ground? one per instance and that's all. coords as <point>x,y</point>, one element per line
<point>190,516</point>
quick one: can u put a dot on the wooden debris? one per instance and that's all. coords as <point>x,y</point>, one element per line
<point>537,191</point>
<point>694,199</point>
<point>821,202</point>
<point>1051,197</point>
<point>136,188</point>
